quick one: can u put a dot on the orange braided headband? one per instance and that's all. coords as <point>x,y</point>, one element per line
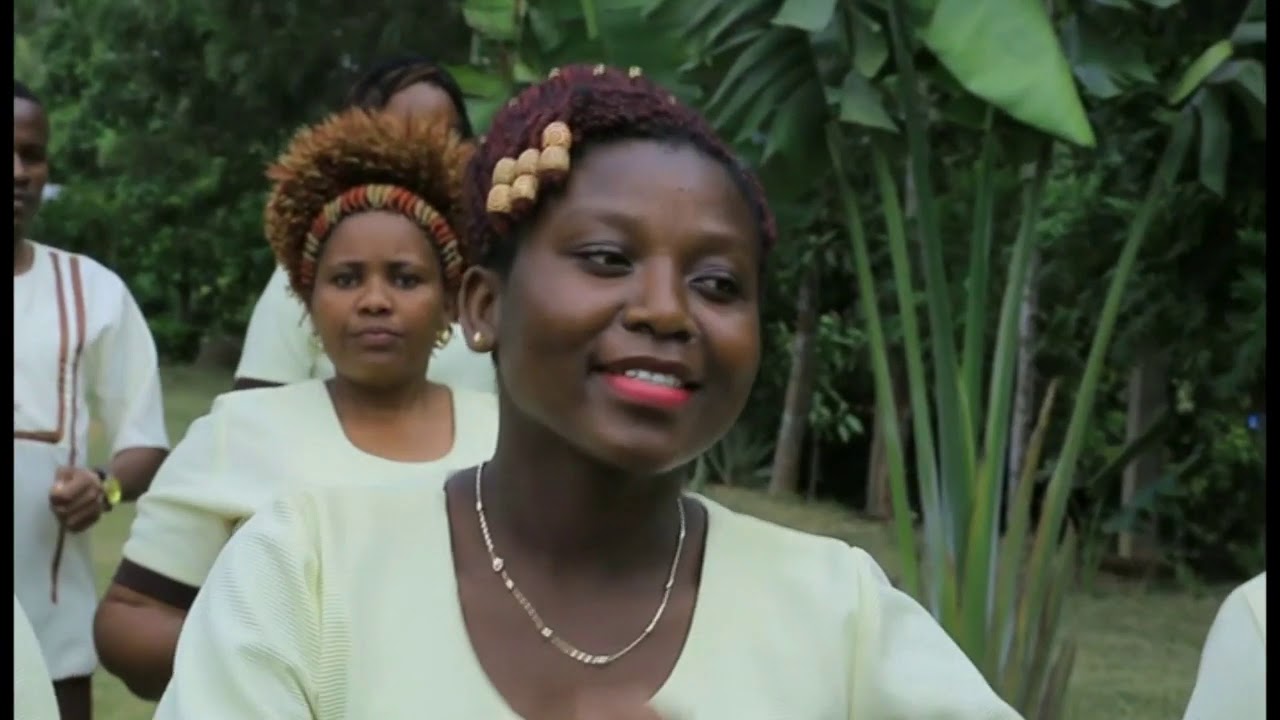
<point>363,198</point>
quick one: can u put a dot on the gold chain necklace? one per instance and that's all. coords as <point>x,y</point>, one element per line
<point>544,630</point>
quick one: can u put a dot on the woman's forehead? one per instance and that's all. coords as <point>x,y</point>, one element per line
<point>654,179</point>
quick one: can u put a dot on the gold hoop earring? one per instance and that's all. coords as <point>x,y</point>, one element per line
<point>444,336</point>
<point>477,338</point>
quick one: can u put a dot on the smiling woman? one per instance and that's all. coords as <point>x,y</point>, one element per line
<point>617,251</point>
<point>361,217</point>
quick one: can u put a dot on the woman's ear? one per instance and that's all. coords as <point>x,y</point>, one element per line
<point>479,308</point>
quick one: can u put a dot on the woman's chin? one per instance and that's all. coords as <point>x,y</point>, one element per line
<point>638,457</point>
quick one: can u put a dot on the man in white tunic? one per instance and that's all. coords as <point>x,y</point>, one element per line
<point>82,351</point>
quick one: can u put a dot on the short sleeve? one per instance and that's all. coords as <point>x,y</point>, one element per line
<point>277,343</point>
<point>182,523</point>
<point>1232,680</point>
<point>125,388</point>
<point>32,689</point>
<point>905,666</point>
<point>251,644</point>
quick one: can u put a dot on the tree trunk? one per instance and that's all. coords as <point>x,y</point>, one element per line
<point>1024,392</point>
<point>815,466</point>
<point>785,476</point>
<point>1148,389</point>
<point>879,501</point>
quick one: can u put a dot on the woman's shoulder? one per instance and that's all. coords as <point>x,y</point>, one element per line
<point>1252,596</point>
<point>768,554</point>
<point>297,402</point>
<point>372,510</point>
<point>273,420</point>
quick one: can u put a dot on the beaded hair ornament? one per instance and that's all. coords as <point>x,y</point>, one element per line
<point>364,198</point>
<point>515,180</point>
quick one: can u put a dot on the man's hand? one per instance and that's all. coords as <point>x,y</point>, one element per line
<point>77,498</point>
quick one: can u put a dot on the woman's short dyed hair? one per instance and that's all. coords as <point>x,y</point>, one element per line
<point>584,106</point>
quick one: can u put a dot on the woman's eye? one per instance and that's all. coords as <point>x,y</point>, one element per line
<point>719,286</point>
<point>408,282</point>
<point>605,258</point>
<point>344,280</point>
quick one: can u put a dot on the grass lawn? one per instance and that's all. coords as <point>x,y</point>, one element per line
<point>1138,647</point>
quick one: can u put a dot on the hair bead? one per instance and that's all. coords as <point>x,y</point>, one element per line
<point>504,171</point>
<point>527,163</point>
<point>554,159</point>
<point>525,188</point>
<point>499,200</point>
<point>557,134</point>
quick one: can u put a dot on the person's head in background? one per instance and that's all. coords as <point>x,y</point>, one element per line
<point>361,217</point>
<point>412,85</point>
<point>30,159</point>
<point>618,249</point>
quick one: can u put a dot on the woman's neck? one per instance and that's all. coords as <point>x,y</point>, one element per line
<point>23,254</point>
<point>553,500</point>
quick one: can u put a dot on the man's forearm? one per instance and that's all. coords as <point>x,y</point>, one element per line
<point>135,467</point>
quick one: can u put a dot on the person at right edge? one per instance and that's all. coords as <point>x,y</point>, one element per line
<point>618,252</point>
<point>1232,680</point>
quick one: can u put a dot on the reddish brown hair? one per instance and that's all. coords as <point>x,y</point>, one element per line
<point>351,149</point>
<point>599,105</point>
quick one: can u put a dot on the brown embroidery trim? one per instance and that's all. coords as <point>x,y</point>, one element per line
<point>77,290</point>
<point>55,436</point>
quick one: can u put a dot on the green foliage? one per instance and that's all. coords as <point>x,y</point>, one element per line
<point>520,42</point>
<point>997,50</point>
<point>1199,290</point>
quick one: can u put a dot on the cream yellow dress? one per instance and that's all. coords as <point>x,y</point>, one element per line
<point>255,444</point>
<point>342,604</point>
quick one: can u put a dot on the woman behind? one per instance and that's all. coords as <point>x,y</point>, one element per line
<point>361,217</point>
<point>279,344</point>
<point>620,252</point>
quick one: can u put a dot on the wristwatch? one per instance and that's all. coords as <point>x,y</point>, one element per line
<point>112,492</point>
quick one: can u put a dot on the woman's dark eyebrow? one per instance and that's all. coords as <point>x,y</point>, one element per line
<point>632,223</point>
